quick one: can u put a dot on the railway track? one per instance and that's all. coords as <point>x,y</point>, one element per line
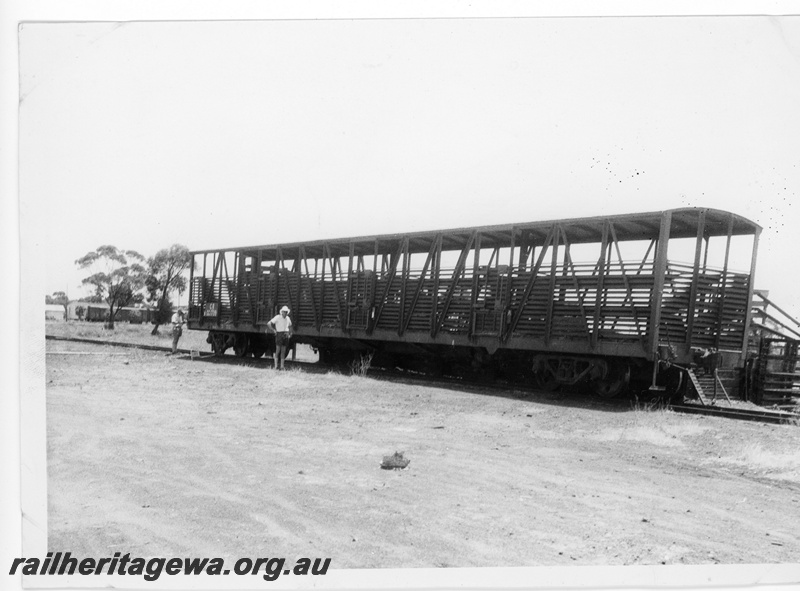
<point>478,384</point>
<point>741,414</point>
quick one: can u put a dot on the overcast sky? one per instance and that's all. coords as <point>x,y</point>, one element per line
<point>214,134</point>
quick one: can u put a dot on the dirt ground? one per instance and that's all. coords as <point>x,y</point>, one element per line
<point>167,456</point>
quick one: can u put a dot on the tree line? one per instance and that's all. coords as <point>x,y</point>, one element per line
<point>123,278</point>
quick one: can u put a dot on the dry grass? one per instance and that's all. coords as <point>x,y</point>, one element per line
<point>654,424</point>
<point>781,464</point>
<point>360,366</point>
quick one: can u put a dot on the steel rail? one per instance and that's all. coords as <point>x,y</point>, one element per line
<point>742,414</point>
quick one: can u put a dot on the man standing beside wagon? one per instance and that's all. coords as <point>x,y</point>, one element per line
<point>281,325</point>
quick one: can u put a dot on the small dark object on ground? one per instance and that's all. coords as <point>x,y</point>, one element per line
<point>395,462</point>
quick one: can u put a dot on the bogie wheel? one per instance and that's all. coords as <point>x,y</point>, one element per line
<point>258,353</point>
<point>546,380</point>
<point>241,345</point>
<point>615,382</point>
<point>674,383</point>
<point>217,344</point>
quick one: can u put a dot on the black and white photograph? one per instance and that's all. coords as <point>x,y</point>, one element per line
<point>380,299</point>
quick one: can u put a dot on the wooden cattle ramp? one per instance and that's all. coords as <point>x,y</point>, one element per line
<point>772,374</point>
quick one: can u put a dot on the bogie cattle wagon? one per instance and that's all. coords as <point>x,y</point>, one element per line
<point>599,300</point>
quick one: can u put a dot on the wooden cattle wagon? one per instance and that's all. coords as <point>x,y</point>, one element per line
<point>599,299</point>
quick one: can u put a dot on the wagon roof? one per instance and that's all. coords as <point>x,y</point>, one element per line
<point>684,223</point>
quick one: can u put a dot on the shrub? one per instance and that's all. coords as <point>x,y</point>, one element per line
<point>361,364</point>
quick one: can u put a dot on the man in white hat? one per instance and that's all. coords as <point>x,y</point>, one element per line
<point>281,325</point>
<point>178,320</point>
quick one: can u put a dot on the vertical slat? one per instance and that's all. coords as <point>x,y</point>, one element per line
<point>437,269</point>
<point>723,287</point>
<point>349,295</point>
<point>418,291</point>
<point>504,326</point>
<point>603,262</point>
<point>462,261</point>
<point>752,280</point>
<point>531,282</point>
<point>548,323</point>
<point>238,262</point>
<point>335,282</point>
<point>191,286</point>
<point>404,284</point>
<point>301,252</point>
<point>701,228</point>
<point>321,290</point>
<point>628,289</point>
<point>475,280</point>
<point>389,275</point>
<point>659,270</point>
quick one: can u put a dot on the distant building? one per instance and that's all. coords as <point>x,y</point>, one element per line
<point>72,309</point>
<point>141,313</point>
<point>54,312</point>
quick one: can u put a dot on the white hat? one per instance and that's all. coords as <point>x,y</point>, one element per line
<point>285,309</point>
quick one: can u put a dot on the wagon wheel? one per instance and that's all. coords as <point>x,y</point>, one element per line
<point>672,379</point>
<point>546,380</point>
<point>615,382</point>
<point>218,344</point>
<point>258,353</point>
<point>241,346</point>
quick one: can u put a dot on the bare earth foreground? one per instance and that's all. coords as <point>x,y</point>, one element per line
<point>165,456</point>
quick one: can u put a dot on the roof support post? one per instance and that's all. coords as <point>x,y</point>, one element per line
<point>349,291</point>
<point>506,322</point>
<point>404,284</point>
<point>191,287</point>
<point>690,312</point>
<point>462,261</point>
<point>322,285</point>
<point>390,273</point>
<point>723,284</point>
<point>752,280</point>
<point>523,248</point>
<point>600,291</point>
<point>476,269</point>
<point>531,282</point>
<point>238,265</point>
<point>217,281</point>
<point>418,290</point>
<point>659,270</point>
<point>569,265</point>
<point>283,273</point>
<point>310,282</point>
<point>628,288</point>
<point>342,313</point>
<point>436,271</point>
<point>548,322</point>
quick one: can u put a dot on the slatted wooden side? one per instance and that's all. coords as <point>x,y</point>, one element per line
<point>624,302</point>
<point>675,303</point>
<point>419,317</point>
<point>197,292</point>
<point>732,321</point>
<point>719,307</point>
<point>532,319</point>
<point>333,296</point>
<point>458,317</point>
<point>224,290</point>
